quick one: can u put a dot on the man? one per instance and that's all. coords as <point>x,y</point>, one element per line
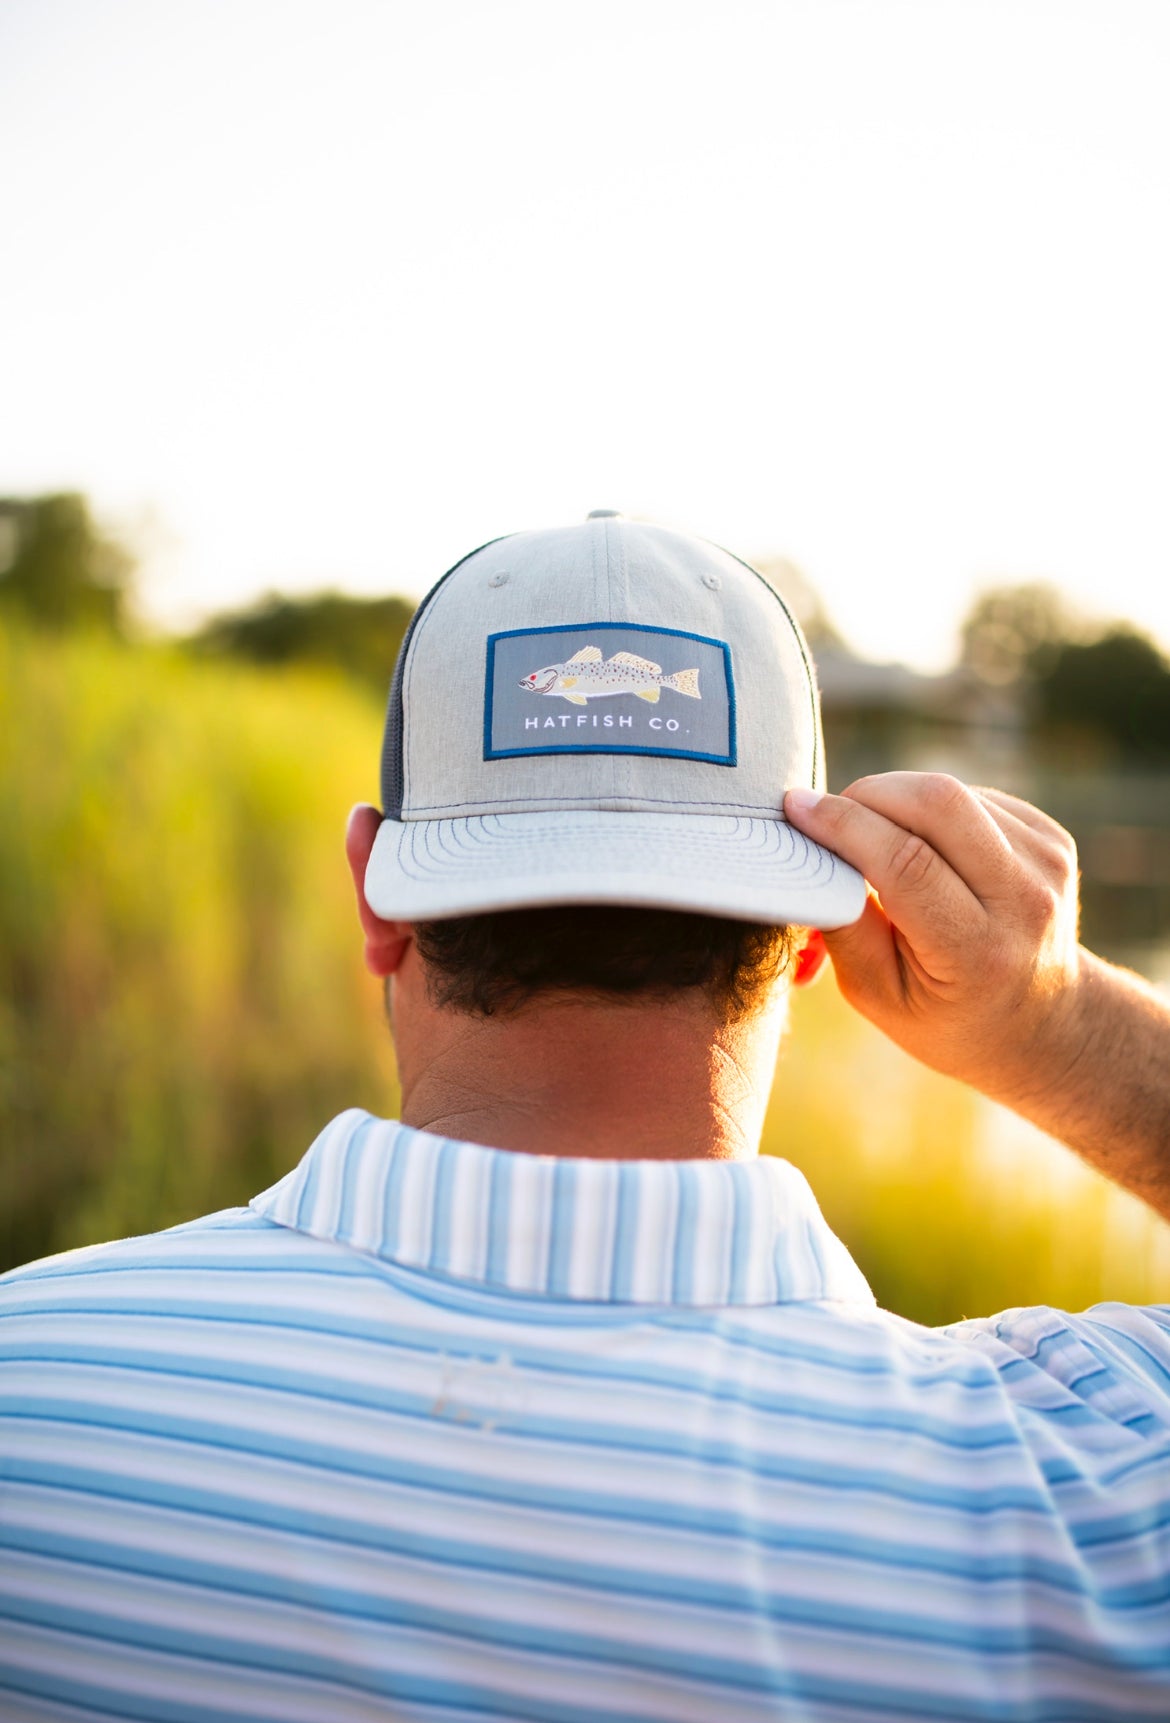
<point>553,1401</point>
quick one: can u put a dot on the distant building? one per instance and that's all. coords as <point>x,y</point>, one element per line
<point>882,717</point>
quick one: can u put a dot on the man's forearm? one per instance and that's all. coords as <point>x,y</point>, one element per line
<point>1106,1092</point>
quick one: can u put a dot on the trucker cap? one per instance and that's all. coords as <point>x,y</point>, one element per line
<point>603,713</point>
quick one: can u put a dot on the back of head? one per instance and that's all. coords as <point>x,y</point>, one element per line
<point>485,965</point>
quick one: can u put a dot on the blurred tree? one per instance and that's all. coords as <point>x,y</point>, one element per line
<point>359,636</point>
<point>802,599</point>
<point>57,566</point>
<point>1115,689</point>
<point>1087,693</point>
<point>1012,632</point>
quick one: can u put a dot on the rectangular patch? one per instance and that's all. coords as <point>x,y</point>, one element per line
<point>609,688</point>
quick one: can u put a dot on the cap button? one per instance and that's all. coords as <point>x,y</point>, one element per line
<point>604,514</point>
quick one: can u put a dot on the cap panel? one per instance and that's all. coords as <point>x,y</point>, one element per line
<point>607,572</point>
<point>392,772</point>
<point>777,712</point>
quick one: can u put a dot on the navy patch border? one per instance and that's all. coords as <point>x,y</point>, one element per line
<point>490,753</point>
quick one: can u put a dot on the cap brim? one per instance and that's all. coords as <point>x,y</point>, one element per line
<point>748,869</point>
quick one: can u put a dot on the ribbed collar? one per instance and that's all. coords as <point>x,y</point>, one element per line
<point>627,1232</point>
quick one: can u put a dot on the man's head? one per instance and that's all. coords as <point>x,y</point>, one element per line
<point>582,891</point>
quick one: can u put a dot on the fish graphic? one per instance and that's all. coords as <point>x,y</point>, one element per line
<point>589,676</point>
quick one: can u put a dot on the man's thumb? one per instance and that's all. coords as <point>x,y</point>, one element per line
<point>865,962</point>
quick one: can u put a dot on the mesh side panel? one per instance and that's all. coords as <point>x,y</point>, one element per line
<point>818,740</point>
<point>393,775</point>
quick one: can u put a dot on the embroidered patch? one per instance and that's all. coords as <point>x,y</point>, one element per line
<point>609,688</point>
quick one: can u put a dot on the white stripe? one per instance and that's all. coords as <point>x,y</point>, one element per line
<point>654,1236</point>
<point>591,1247</point>
<point>528,1219</point>
<point>712,1254</point>
<point>469,1213</point>
<point>368,1179</point>
<point>416,1205</point>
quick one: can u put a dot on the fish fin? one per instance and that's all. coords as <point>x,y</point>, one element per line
<point>577,699</point>
<point>569,681</point>
<point>635,663</point>
<point>587,655</point>
<point>650,694</point>
<point>684,682</point>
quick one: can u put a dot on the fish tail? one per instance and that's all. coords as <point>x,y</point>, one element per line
<point>684,682</point>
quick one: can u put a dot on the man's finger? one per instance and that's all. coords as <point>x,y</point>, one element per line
<point>951,819</point>
<point>1030,816</point>
<point>1041,842</point>
<point>921,894</point>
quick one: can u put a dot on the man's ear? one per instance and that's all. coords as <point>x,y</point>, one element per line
<point>386,941</point>
<point>809,959</point>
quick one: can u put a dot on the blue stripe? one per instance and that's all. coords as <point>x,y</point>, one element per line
<point>349,1181</point>
<point>392,1195</point>
<point>740,1263</point>
<point>974,1371</point>
<point>499,1210</point>
<point>818,1256</point>
<point>974,1503</point>
<point>559,1265</point>
<point>318,1383</point>
<point>396,1614</point>
<point>296,1520</point>
<point>682,1275</point>
<point>621,1277</point>
<point>874,1370</point>
<point>909,1628</point>
<point>86,1699</point>
<point>354,1672</point>
<point>1152,1369</point>
<point>338,1533</point>
<point>306,1201</point>
<point>355,1675</point>
<point>332,1674</point>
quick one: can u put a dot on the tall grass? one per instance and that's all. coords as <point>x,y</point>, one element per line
<point>182,1003</point>
<point>952,1206</point>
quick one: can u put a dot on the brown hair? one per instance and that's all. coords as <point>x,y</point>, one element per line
<point>484,964</point>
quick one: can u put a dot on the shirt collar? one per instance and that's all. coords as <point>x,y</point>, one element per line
<point>629,1232</point>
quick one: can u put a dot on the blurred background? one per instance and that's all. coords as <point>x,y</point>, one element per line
<point>300,302</point>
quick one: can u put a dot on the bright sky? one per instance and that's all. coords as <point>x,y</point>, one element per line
<point>338,289</point>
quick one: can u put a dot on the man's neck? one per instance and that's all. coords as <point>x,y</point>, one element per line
<point>572,1076</point>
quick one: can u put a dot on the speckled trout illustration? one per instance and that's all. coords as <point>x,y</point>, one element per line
<point>589,676</point>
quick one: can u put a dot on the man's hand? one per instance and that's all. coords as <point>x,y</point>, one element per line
<point>970,944</point>
<point>967,956</point>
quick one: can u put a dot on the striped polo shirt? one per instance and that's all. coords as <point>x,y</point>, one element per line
<point>443,1434</point>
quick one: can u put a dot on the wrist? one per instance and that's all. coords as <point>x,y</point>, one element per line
<point>1050,1077</point>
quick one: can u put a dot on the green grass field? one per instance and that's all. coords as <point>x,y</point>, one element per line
<point>183,1005</point>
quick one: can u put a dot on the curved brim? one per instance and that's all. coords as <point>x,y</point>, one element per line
<point>752,870</point>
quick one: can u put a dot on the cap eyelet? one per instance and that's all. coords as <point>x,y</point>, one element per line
<point>500,579</point>
<point>713,581</point>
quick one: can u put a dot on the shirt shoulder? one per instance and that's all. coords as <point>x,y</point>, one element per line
<point>227,1231</point>
<point>1112,1361</point>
